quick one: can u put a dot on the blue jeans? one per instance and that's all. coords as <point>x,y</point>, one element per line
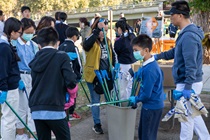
<point>149,123</point>
<point>95,98</point>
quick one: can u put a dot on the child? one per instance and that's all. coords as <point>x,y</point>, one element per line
<point>26,50</point>
<point>68,46</point>
<point>52,76</point>
<point>9,77</point>
<point>151,89</point>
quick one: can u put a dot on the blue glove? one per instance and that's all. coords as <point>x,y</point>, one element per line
<point>21,85</point>
<point>3,96</point>
<point>132,99</point>
<point>177,94</point>
<point>72,55</point>
<point>67,97</point>
<point>187,94</point>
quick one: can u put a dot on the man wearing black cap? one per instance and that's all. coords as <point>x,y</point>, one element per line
<point>26,12</point>
<point>187,67</point>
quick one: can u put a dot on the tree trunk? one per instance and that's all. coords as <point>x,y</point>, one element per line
<point>202,19</point>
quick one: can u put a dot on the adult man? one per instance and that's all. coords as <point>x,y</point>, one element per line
<point>1,22</point>
<point>187,68</point>
<point>26,12</point>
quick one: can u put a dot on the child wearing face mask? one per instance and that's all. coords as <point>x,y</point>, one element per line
<point>68,46</point>
<point>26,50</point>
<point>151,89</point>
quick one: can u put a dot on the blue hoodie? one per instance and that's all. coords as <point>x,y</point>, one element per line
<point>188,56</point>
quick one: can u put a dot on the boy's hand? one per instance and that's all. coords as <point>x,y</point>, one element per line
<point>21,85</point>
<point>73,92</point>
<point>69,104</point>
<point>3,96</point>
<point>132,99</point>
<point>187,94</point>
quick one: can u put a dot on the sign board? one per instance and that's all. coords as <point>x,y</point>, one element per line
<point>151,26</point>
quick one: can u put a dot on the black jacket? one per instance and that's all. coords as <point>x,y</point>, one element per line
<point>9,71</point>
<point>124,50</point>
<point>52,74</point>
<point>68,46</point>
<point>61,29</point>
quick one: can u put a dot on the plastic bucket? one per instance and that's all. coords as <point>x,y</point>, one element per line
<point>121,122</point>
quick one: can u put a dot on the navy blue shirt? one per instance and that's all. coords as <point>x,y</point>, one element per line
<point>124,50</point>
<point>9,75</point>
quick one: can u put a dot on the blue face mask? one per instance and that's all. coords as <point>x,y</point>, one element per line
<point>14,42</point>
<point>137,55</point>
<point>27,37</point>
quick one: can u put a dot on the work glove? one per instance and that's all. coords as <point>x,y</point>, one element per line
<point>21,85</point>
<point>132,99</point>
<point>133,102</point>
<point>3,96</point>
<point>69,104</point>
<point>177,94</point>
<point>73,92</point>
<point>187,93</point>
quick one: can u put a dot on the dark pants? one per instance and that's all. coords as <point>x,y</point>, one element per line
<point>59,127</point>
<point>72,108</point>
<point>149,123</point>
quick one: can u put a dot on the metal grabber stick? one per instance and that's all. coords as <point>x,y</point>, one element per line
<point>85,91</point>
<point>21,120</point>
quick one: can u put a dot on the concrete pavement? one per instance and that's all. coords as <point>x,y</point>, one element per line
<point>83,130</point>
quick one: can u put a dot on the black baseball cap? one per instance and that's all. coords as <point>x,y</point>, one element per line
<point>179,7</point>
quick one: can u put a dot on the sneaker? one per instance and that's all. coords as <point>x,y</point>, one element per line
<point>74,116</point>
<point>97,129</point>
<point>21,137</point>
<point>52,135</point>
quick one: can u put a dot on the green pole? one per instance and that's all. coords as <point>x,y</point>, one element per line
<point>85,91</point>
<point>21,120</point>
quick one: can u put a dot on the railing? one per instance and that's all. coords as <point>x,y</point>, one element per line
<point>116,7</point>
<point>105,8</point>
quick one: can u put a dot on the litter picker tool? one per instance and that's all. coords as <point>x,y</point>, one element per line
<point>102,84</point>
<point>85,91</point>
<point>21,120</point>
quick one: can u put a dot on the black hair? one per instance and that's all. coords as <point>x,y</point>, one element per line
<point>45,22</point>
<point>124,26</point>
<point>23,8</point>
<point>27,23</point>
<point>11,24</point>
<point>71,31</point>
<point>1,13</point>
<point>182,6</point>
<point>84,20</point>
<point>57,15</point>
<point>47,36</point>
<point>62,16</point>
<point>143,41</point>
